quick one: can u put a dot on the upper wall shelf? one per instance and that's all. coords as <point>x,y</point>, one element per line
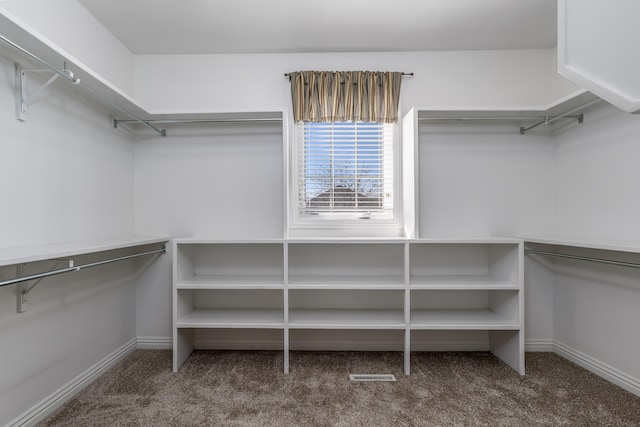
<point>30,50</point>
<point>569,107</point>
<point>60,254</point>
<point>25,254</point>
<point>112,97</point>
<point>607,245</point>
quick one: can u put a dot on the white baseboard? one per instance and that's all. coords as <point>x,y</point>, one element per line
<point>538,346</point>
<point>603,370</point>
<point>52,402</point>
<point>154,343</point>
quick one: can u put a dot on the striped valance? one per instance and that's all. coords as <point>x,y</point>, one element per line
<point>338,96</point>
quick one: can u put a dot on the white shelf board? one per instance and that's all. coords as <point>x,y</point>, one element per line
<point>346,319</point>
<point>346,282</point>
<point>24,254</point>
<point>231,282</point>
<point>555,108</point>
<point>461,283</point>
<point>609,245</point>
<point>470,319</point>
<point>232,318</point>
<point>213,241</point>
<point>348,240</point>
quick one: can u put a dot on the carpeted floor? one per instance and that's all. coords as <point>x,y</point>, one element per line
<point>248,388</point>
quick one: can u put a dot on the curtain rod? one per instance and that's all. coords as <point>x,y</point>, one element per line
<point>67,74</point>
<point>584,258</point>
<point>403,73</point>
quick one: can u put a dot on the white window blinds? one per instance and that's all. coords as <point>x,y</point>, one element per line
<point>345,168</point>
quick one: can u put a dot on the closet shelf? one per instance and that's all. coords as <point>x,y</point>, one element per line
<point>346,282</point>
<point>608,245</point>
<point>26,254</point>
<point>569,107</point>
<point>346,319</point>
<point>232,318</point>
<point>230,281</point>
<point>30,50</point>
<point>467,319</point>
<point>351,284</point>
<point>461,283</point>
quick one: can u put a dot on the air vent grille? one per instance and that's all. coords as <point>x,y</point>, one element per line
<point>372,377</point>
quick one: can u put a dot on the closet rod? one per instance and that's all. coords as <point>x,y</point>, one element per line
<point>584,258</point>
<point>168,121</point>
<point>63,73</point>
<point>78,267</point>
<point>548,121</point>
<point>67,74</point>
<point>505,118</point>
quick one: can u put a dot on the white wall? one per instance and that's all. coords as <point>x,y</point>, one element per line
<point>66,175</point>
<point>484,180</point>
<point>596,183</point>
<point>256,82</point>
<point>597,175</point>
<point>71,28</point>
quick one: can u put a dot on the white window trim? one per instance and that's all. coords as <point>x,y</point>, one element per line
<point>331,226</point>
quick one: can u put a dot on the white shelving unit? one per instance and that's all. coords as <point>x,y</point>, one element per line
<point>388,284</point>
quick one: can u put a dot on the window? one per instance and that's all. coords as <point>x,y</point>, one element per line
<point>345,172</point>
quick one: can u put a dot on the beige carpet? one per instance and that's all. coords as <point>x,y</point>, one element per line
<point>242,388</point>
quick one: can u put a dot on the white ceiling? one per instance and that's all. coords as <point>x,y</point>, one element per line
<point>287,26</point>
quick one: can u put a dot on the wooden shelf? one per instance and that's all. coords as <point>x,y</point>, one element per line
<point>229,281</point>
<point>461,320</point>
<point>630,246</point>
<point>19,255</point>
<point>232,318</point>
<point>346,282</point>
<point>346,319</point>
<point>461,283</point>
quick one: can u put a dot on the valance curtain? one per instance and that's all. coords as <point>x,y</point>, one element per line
<point>339,96</point>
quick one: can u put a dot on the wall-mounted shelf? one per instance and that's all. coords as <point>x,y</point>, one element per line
<point>607,245</point>
<point>29,50</point>
<point>60,254</point>
<point>569,107</point>
<point>25,254</point>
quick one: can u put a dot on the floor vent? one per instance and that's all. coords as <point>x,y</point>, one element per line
<point>372,377</point>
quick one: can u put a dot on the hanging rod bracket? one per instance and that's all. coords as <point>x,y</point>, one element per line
<point>23,288</point>
<point>147,123</point>
<point>23,100</point>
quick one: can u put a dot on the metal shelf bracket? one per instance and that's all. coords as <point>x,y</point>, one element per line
<point>22,98</point>
<point>23,288</point>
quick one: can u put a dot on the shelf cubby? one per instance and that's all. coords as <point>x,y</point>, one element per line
<point>464,266</point>
<point>346,265</point>
<point>219,265</point>
<point>465,309</point>
<point>346,309</point>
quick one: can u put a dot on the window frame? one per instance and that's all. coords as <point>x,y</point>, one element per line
<point>329,224</point>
